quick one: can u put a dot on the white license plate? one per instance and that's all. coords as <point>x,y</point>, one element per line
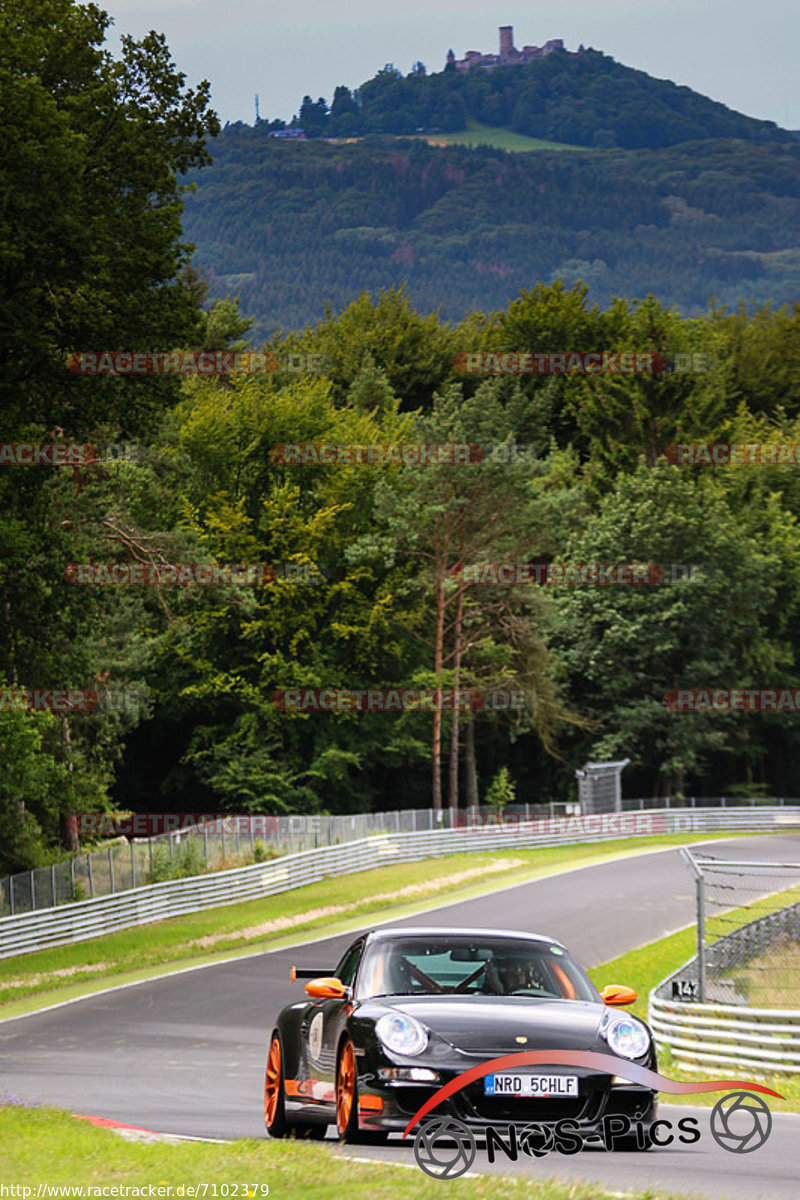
<point>506,1083</point>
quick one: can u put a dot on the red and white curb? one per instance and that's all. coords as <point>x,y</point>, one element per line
<point>135,1133</point>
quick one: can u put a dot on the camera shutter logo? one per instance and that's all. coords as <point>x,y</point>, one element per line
<point>444,1148</point>
<point>741,1122</point>
<point>537,1140</point>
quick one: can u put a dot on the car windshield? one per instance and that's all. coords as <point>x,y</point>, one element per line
<point>474,966</point>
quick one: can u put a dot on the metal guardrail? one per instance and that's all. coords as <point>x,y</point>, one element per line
<point>705,1037</point>
<point>138,906</point>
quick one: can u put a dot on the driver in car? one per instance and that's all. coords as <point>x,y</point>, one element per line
<point>506,975</point>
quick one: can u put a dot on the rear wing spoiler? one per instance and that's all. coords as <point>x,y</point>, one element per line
<point>307,973</point>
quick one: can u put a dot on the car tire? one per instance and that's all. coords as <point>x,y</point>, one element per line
<point>347,1092</point>
<point>274,1091</point>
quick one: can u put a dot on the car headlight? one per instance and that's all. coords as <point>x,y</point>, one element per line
<point>401,1034</point>
<point>627,1037</point>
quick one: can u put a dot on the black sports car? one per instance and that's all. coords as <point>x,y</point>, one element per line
<point>408,1010</point>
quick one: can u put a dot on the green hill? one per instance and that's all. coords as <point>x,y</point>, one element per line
<point>583,98</point>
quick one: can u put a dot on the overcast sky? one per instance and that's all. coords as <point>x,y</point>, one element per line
<point>737,51</point>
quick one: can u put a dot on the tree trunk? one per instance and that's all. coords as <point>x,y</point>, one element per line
<point>469,763</point>
<point>455,731</point>
<point>437,710</point>
<point>69,821</point>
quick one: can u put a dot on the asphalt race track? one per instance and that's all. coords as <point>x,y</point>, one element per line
<point>185,1053</point>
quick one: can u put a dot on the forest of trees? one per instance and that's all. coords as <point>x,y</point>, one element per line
<point>288,226</point>
<point>376,595</point>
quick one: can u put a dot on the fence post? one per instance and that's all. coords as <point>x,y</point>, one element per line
<point>11,892</point>
<point>150,853</point>
<point>111,869</point>
<point>91,876</point>
<point>72,877</point>
<point>205,843</point>
<point>33,894</point>
<point>701,937</point>
<point>133,864</point>
<point>222,823</point>
<point>53,882</point>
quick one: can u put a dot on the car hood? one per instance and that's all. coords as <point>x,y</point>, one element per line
<point>493,1024</point>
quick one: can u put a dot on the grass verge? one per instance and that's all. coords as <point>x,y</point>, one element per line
<point>45,1146</point>
<point>335,905</point>
<point>642,969</point>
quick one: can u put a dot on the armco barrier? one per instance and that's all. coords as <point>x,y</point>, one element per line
<point>138,906</point>
<point>706,1037</point>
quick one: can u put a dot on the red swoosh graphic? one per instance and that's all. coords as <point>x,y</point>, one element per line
<point>607,1063</point>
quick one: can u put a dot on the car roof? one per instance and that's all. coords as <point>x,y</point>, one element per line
<point>447,931</point>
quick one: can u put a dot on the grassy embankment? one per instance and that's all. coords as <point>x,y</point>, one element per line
<point>44,1146</point>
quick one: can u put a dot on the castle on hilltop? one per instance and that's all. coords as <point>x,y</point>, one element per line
<point>509,56</point>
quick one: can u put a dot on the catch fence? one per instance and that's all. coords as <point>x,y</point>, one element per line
<point>736,1002</point>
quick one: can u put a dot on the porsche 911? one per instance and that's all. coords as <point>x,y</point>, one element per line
<point>406,1011</point>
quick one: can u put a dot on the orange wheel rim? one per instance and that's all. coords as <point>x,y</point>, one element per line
<point>345,1086</point>
<point>273,1081</point>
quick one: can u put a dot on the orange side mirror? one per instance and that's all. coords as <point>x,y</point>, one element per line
<point>327,987</point>
<point>617,993</point>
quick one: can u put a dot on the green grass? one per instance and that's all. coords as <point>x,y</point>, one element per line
<point>29,981</point>
<point>44,1146</point>
<point>643,969</point>
<point>498,138</point>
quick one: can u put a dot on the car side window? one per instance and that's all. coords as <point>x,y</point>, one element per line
<point>346,971</point>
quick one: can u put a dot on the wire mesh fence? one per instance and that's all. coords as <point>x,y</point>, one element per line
<point>748,933</point>
<point>234,841</point>
<point>216,845</point>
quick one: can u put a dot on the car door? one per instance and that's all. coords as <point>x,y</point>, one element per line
<point>321,1029</point>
